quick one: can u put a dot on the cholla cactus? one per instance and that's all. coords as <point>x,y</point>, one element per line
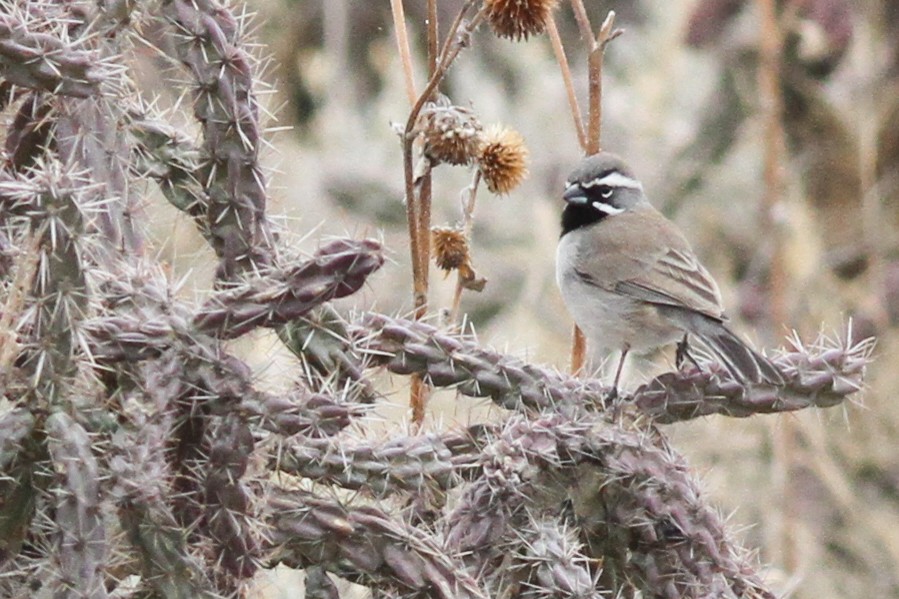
<point>134,448</point>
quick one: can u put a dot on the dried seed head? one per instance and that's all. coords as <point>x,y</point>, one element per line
<point>503,159</point>
<point>517,19</point>
<point>450,248</point>
<point>452,134</point>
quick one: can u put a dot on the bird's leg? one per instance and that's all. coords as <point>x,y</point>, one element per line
<point>683,352</point>
<point>614,393</point>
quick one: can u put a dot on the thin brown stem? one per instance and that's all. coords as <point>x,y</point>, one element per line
<point>418,205</point>
<point>591,142</point>
<point>606,34</point>
<point>424,235</point>
<point>559,51</point>
<point>578,351</point>
<point>425,189</point>
<point>402,44</point>
<point>419,391</point>
<point>583,23</point>
<point>875,234</point>
<point>448,54</point>
<point>419,287</point>
<point>468,205</point>
<point>415,212</point>
<point>418,400</point>
<point>774,148</point>
<point>594,114</point>
<point>769,77</point>
<point>433,41</point>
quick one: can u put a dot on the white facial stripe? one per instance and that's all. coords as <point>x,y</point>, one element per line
<point>613,180</point>
<point>607,208</point>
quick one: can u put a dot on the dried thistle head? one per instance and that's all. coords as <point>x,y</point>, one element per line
<point>517,19</point>
<point>503,159</point>
<point>450,248</point>
<point>451,253</point>
<point>452,134</point>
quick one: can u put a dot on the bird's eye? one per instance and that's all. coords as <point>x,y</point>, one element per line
<point>605,191</point>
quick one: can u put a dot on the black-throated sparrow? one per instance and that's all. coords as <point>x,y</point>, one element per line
<point>630,279</point>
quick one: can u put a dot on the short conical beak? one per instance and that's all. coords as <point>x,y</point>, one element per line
<point>574,194</point>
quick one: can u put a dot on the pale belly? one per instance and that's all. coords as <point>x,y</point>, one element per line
<point>612,322</point>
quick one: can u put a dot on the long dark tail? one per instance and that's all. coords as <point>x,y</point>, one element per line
<point>742,361</point>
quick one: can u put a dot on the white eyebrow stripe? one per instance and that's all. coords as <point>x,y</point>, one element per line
<point>613,180</point>
<point>607,208</point>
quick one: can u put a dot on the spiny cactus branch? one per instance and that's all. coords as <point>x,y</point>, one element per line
<point>644,514</point>
<point>406,347</point>
<point>59,290</point>
<point>526,472</point>
<point>365,545</point>
<point>82,547</point>
<point>820,376</point>
<point>208,43</point>
<point>16,425</point>
<point>640,510</point>
<point>313,415</point>
<point>42,61</point>
<point>273,299</point>
<point>227,501</point>
<point>166,155</point>
<point>169,562</point>
<point>21,483</point>
<point>552,564</point>
<point>168,566</point>
<point>321,342</point>
<point>28,134</point>
<point>405,464</point>
<point>89,134</point>
<point>339,268</point>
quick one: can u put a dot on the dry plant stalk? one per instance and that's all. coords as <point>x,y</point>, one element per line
<point>452,134</point>
<point>770,211</point>
<point>403,47</point>
<point>417,208</point>
<point>138,456</point>
<point>418,190</point>
<point>589,139</point>
<point>465,275</point>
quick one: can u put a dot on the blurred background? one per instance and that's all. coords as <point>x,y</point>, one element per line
<point>816,492</point>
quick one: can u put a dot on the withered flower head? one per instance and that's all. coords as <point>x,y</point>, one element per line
<point>450,248</point>
<point>503,159</point>
<point>452,134</point>
<point>517,19</point>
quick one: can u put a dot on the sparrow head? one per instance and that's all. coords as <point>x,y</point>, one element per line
<point>602,186</point>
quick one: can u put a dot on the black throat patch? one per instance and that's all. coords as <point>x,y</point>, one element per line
<point>575,216</point>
